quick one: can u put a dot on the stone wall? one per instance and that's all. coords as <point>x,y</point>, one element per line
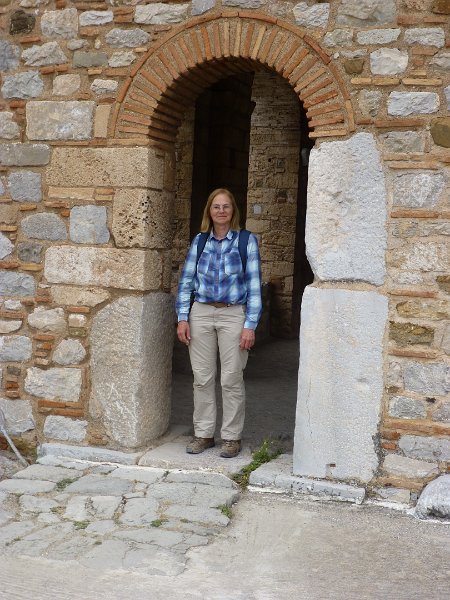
<point>92,97</point>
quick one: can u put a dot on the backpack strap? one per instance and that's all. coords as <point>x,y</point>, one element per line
<point>243,235</point>
<point>201,245</point>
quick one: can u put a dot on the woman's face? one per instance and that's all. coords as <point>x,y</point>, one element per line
<point>221,210</point>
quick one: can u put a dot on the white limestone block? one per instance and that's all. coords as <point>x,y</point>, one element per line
<point>388,61</point>
<point>402,104</point>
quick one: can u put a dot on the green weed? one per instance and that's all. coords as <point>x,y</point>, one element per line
<point>80,524</point>
<point>158,522</point>
<point>225,510</point>
<point>264,454</point>
<point>63,483</point>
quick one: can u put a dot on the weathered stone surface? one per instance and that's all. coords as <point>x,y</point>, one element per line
<point>108,267</point>
<point>142,474</point>
<point>369,12</point>
<point>104,86</point>
<point>312,16</point>
<point>377,36</point>
<point>403,104</point>
<point>25,486</point>
<point>441,7</point>
<point>62,428</point>
<point>127,38</point>
<point>18,415</point>
<point>369,102</point>
<point>160,14</point>
<point>445,343</point>
<point>72,120</point>
<point>403,141</point>
<point>354,66</point>
<point>44,226</point>
<point>119,167</point>
<point>21,22</point>
<point>36,504</point>
<point>16,284</point>
<point>69,352</point>
<point>121,59</point>
<point>75,296</point>
<point>97,454</point>
<point>418,190</point>
<point>96,17</point>
<point>99,485</point>
<point>88,224</point>
<point>25,186</point>
<point>427,378</point>
<point>65,85</point>
<point>434,501</point>
<point>77,44</point>
<point>443,412</point>
<point>198,7</point>
<point>425,448</point>
<point>9,325</point>
<point>426,36</point>
<point>441,61</point>
<point>400,466</point>
<point>139,511</point>
<point>402,407</point>
<point>388,61</point>
<point>244,3</point>
<point>15,348</point>
<point>89,59</point>
<point>24,155</point>
<point>60,23</point>
<point>9,56</point>
<point>405,334</point>
<point>440,131</point>
<point>345,231</point>
<point>9,129</point>
<point>29,251</point>
<point>443,282</point>
<point>50,320</point>
<point>131,333</point>
<point>198,514</point>
<point>347,328</point>
<point>338,37</point>
<point>47,54</point>
<point>46,473</point>
<point>6,246</point>
<point>54,384</point>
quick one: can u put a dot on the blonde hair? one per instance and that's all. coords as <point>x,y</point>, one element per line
<point>207,223</point>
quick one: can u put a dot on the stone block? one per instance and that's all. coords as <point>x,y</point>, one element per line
<point>25,486</point>
<point>418,190</point>
<point>405,334</point>
<point>24,155</point>
<point>403,407</point>
<point>89,59</point>
<point>99,485</point>
<point>403,141</point>
<point>44,226</point>
<point>433,449</point>
<point>6,246</point>
<point>369,102</point>
<point>443,411</point>
<point>75,296</point>
<point>46,473</point>
<point>66,85</point>
<point>388,61</point>
<point>131,333</point>
<point>9,56</point>
<point>69,352</point>
<point>141,218</point>
<point>441,61</point>
<point>422,257</point>
<point>88,225</point>
<point>24,85</point>
<point>244,3</point>
<point>434,501</point>
<point>120,167</point>
<point>15,348</point>
<point>88,453</point>
<point>426,36</point>
<point>345,221</point>
<point>77,44</point>
<point>354,66</point>
<point>198,7</point>
<point>431,378</point>
<point>21,22</point>
<point>369,12</point>
<point>312,16</point>
<point>60,23</point>
<point>440,131</point>
<point>18,415</point>
<point>160,14</point>
<point>16,284</point>
<point>401,466</point>
<point>377,36</point>
<point>58,383</point>
<point>50,320</point>
<point>127,38</point>
<point>102,113</point>
<point>104,86</point>
<point>443,282</point>
<point>62,428</point>
<point>424,309</point>
<point>121,59</point>
<point>9,325</point>
<point>72,120</point>
<point>9,129</point>
<point>108,267</point>
<point>96,17</point>
<point>338,38</point>
<point>25,186</point>
<point>29,252</point>
<point>47,54</point>
<point>402,104</point>
<point>343,332</point>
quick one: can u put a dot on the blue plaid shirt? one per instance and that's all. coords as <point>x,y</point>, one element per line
<point>219,277</point>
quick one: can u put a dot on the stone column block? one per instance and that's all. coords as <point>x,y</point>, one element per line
<point>131,354</point>
<point>340,383</point>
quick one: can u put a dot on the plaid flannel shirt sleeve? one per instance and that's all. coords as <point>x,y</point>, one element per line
<point>253,283</point>
<point>186,283</point>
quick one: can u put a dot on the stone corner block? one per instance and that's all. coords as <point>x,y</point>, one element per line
<point>49,120</point>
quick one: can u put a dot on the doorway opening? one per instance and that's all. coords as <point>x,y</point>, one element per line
<point>249,133</point>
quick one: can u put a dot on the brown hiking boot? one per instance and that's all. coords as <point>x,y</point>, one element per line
<point>198,445</point>
<point>230,448</point>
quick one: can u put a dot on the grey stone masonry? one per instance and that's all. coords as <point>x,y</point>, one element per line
<point>60,23</point>
<point>9,129</point>
<point>9,56</point>
<point>427,36</point>
<point>27,84</point>
<point>24,155</point>
<point>96,17</point>
<point>16,284</point>
<point>127,38</point>
<point>25,186</point>
<point>72,120</point>
<point>434,501</point>
<point>160,14</point>
<point>44,226</point>
<point>18,415</point>
<point>312,16</point>
<point>418,190</point>
<point>425,448</point>
<point>427,378</point>
<point>88,224</point>
<point>64,429</point>
<point>15,348</point>
<point>57,383</point>
<point>369,12</point>
<point>47,54</point>
<point>403,104</point>
<point>198,7</point>
<point>89,59</point>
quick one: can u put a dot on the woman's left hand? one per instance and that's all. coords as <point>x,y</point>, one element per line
<point>247,339</point>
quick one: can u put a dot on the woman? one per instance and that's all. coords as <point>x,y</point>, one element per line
<point>224,316</point>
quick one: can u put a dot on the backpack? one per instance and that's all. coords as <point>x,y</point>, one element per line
<point>244,234</point>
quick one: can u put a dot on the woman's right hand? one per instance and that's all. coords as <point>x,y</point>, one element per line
<point>184,332</point>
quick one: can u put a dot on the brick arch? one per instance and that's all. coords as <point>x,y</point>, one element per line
<point>196,54</point>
